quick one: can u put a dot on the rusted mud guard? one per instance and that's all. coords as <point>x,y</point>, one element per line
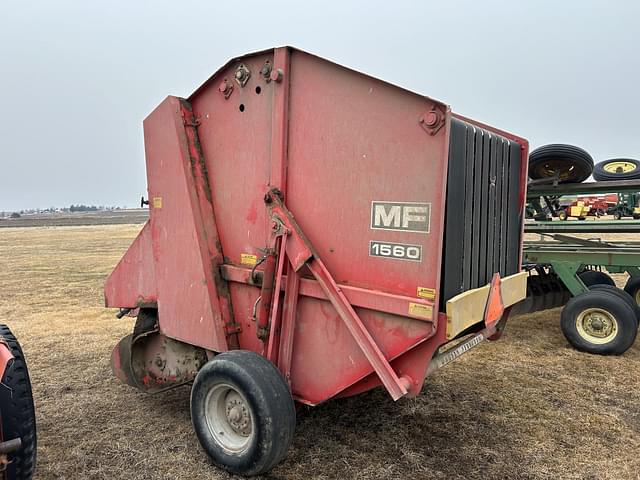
<point>153,362</point>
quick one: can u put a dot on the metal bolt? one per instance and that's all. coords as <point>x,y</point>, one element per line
<point>277,75</point>
<point>266,70</point>
<point>431,118</point>
<point>225,88</point>
<point>274,226</point>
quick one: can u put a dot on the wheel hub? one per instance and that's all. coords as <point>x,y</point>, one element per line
<point>229,418</point>
<point>237,414</point>
<point>553,168</point>
<point>597,325</point>
<point>619,167</point>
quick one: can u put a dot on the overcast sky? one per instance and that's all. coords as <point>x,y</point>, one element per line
<point>77,78</point>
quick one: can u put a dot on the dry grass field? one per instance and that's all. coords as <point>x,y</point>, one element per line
<point>526,407</point>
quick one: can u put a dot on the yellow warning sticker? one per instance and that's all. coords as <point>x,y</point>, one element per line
<point>157,202</point>
<point>248,259</point>
<point>419,310</point>
<point>428,293</point>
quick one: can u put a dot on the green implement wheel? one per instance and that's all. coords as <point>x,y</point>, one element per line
<point>617,169</point>
<point>599,322</point>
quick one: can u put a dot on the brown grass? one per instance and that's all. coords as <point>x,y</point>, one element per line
<point>527,406</point>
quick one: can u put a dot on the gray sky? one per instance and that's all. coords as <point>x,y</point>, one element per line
<point>79,77</point>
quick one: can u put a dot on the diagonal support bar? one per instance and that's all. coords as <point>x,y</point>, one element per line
<point>300,252</point>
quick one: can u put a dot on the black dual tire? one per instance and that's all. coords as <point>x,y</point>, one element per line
<point>17,411</point>
<point>572,164</point>
<point>621,294</point>
<point>594,277</point>
<point>256,409</point>
<point>632,287</point>
<point>617,169</point>
<point>599,322</point>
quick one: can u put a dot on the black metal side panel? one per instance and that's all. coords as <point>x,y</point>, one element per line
<point>482,218</point>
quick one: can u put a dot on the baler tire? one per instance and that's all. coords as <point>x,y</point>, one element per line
<point>594,277</point>
<point>623,326</point>
<point>621,294</point>
<point>602,174</point>
<point>572,164</point>
<point>632,287</point>
<point>17,411</point>
<point>262,396</point>
<point>562,215</point>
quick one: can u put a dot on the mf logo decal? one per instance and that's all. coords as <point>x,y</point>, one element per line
<point>403,216</point>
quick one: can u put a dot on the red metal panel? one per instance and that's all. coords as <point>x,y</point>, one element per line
<point>188,308</point>
<point>321,337</point>
<point>353,140</point>
<point>236,145</point>
<point>133,283</point>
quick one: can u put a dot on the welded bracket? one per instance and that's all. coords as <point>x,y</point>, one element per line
<point>568,273</point>
<point>300,252</point>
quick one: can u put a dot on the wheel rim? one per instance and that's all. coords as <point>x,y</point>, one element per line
<point>549,169</point>
<point>229,418</point>
<point>619,167</point>
<point>597,326</point>
<point>637,296</point>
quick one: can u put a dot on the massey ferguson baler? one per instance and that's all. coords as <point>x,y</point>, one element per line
<point>314,233</point>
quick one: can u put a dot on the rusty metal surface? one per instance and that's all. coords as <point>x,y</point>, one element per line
<point>361,165</point>
<point>154,362</point>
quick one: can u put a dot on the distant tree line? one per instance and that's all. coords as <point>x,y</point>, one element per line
<point>72,208</point>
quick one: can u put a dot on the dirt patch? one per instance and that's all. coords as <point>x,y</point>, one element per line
<point>525,407</point>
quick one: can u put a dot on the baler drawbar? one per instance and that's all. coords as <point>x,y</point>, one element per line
<point>314,233</point>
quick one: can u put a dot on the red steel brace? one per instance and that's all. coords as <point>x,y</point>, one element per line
<point>300,252</point>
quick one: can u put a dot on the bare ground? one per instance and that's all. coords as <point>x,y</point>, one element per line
<point>526,407</point>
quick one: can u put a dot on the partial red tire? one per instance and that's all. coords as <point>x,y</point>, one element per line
<point>17,411</point>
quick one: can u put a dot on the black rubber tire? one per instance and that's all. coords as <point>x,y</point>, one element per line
<point>562,215</point>
<point>17,411</point>
<point>594,277</point>
<point>600,174</point>
<point>537,293</point>
<point>557,287</point>
<point>573,164</point>
<point>621,294</point>
<point>270,402</point>
<point>617,215</point>
<point>632,287</point>
<point>623,314</point>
